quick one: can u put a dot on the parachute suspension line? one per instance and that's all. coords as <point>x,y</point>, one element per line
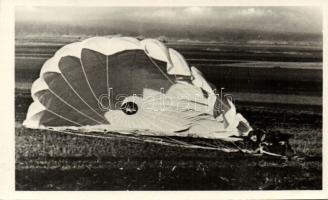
<point>165,141</point>
<point>154,140</point>
<point>86,78</point>
<point>102,117</point>
<point>177,141</point>
<point>87,116</point>
<point>240,149</point>
<point>195,146</point>
<point>224,105</point>
<point>107,81</point>
<point>154,63</point>
<point>62,117</point>
<point>80,134</point>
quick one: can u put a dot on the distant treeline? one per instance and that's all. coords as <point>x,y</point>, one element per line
<point>169,31</point>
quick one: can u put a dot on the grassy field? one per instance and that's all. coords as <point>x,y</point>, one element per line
<point>277,87</point>
<point>47,160</point>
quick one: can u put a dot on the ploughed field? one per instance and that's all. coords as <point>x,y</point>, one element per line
<point>276,87</point>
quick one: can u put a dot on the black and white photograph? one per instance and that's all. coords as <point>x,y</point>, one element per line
<point>168,98</point>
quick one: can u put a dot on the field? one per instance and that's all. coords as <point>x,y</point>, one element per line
<point>276,87</point>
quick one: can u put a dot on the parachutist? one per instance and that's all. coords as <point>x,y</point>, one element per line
<point>269,142</point>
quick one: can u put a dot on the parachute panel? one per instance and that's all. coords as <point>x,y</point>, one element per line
<point>73,74</point>
<point>52,119</point>
<point>95,67</point>
<point>56,104</point>
<point>200,81</point>
<point>179,64</point>
<point>110,46</point>
<point>58,86</point>
<point>157,50</point>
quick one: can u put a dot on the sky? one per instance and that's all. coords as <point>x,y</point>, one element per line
<point>276,19</point>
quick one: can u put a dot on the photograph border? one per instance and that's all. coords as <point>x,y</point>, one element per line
<point>7,143</point>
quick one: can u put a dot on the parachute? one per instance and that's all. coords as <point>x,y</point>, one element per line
<point>124,85</point>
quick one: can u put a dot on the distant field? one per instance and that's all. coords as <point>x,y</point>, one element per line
<point>276,87</point>
<point>255,68</point>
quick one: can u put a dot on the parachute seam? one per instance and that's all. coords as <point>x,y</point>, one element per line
<point>60,116</point>
<point>82,98</point>
<point>147,139</point>
<point>87,116</point>
<point>160,69</point>
<point>107,79</point>
<point>86,78</point>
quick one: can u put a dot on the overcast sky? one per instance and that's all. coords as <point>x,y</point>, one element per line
<point>279,19</point>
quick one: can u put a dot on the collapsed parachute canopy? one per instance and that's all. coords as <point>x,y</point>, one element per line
<point>124,84</point>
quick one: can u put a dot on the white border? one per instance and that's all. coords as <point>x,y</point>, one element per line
<point>7,142</point>
<point>143,3</point>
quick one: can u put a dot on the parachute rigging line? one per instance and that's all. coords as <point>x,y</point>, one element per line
<point>82,98</point>
<point>141,139</point>
<point>168,78</point>
<point>62,117</point>
<point>65,102</point>
<point>87,80</point>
